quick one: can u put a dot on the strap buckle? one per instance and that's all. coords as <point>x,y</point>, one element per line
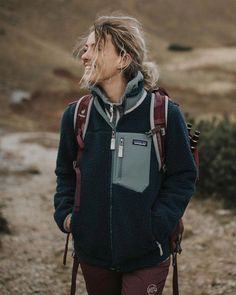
<point>153,131</point>
<point>75,164</point>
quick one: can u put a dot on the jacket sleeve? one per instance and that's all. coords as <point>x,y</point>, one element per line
<point>178,182</point>
<point>66,178</point>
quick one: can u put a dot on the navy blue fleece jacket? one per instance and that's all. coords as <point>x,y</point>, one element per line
<point>128,208</point>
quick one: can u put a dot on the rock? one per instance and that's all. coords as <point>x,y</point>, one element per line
<point>223,212</point>
<point>19,96</point>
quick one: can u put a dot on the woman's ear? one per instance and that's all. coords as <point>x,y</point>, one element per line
<point>124,61</point>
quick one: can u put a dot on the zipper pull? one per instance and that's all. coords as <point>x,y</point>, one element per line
<point>160,248</point>
<point>113,141</point>
<point>121,148</point>
<point>111,112</point>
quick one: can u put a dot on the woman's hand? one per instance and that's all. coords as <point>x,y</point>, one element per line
<point>67,222</point>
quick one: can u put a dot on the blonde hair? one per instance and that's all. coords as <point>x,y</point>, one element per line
<point>128,37</point>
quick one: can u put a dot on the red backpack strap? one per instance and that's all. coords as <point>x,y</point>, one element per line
<point>159,111</point>
<point>161,91</point>
<point>80,118</point>
<point>158,121</point>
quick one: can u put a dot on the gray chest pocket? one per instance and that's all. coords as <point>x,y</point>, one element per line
<point>131,160</point>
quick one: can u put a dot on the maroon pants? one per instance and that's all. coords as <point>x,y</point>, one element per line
<point>145,281</point>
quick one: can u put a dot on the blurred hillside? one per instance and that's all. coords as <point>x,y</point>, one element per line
<point>37,38</point>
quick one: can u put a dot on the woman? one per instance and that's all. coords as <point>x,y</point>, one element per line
<point>128,207</point>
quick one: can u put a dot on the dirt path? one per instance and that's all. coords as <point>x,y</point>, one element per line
<point>31,257</point>
<point>202,57</point>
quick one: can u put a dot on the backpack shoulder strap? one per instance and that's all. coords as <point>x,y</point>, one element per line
<point>158,122</point>
<point>81,118</point>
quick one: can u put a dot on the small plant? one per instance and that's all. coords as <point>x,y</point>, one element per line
<point>217,151</point>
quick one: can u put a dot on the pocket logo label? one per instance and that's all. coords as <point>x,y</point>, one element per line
<point>140,142</point>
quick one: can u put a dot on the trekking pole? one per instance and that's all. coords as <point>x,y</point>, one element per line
<point>189,127</point>
<point>177,250</point>
<point>194,140</point>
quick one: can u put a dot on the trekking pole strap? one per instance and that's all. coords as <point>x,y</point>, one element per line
<point>66,248</point>
<point>74,275</point>
<point>175,285</point>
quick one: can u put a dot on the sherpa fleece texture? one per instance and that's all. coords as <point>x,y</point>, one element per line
<point>116,227</point>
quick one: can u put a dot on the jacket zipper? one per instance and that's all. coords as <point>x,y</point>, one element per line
<point>120,156</point>
<point>112,148</point>
<point>113,141</point>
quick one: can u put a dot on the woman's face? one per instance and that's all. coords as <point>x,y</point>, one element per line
<point>108,61</point>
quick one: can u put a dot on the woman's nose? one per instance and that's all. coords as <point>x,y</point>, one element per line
<point>86,55</point>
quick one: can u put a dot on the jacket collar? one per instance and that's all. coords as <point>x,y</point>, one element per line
<point>132,96</point>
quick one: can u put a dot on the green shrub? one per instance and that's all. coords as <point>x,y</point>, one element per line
<point>217,152</point>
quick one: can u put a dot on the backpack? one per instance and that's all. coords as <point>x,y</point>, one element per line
<point>158,122</point>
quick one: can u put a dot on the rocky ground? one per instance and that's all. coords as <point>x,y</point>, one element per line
<point>31,255</point>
